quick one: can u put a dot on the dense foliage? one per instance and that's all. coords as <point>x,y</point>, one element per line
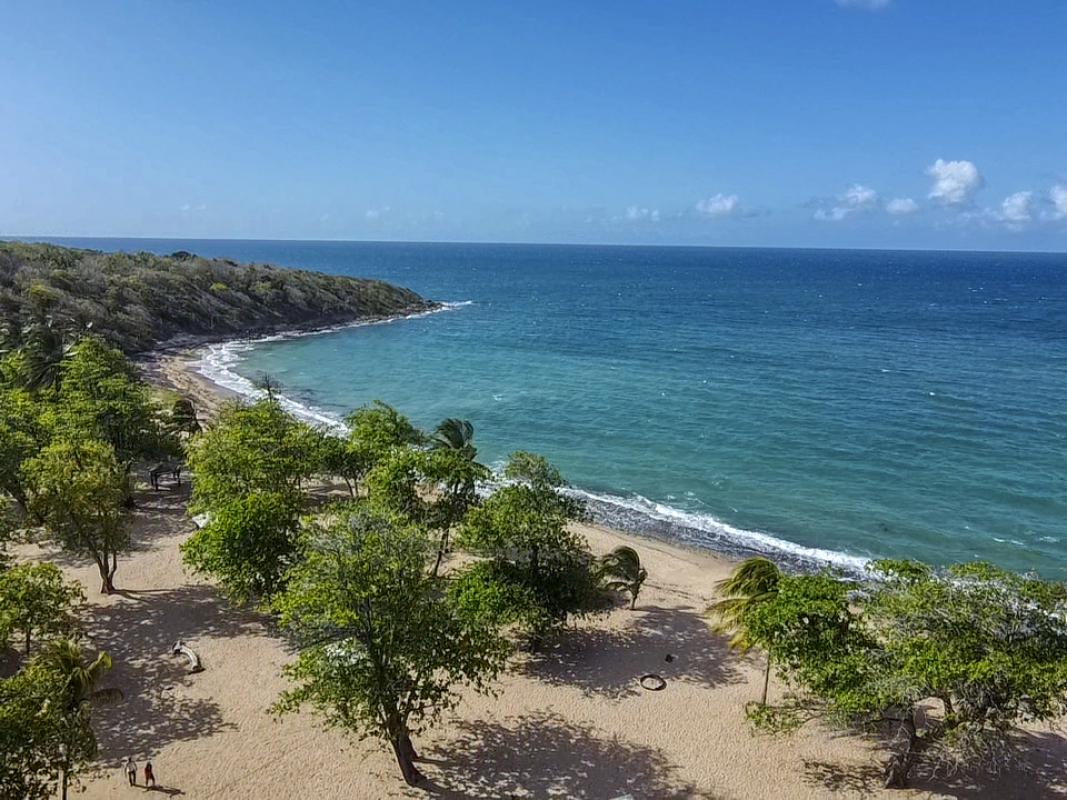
<point>536,571</point>
<point>383,649</point>
<point>35,724</point>
<point>257,448</point>
<point>136,300</point>
<point>36,603</point>
<point>79,490</point>
<point>248,544</point>
<point>986,647</point>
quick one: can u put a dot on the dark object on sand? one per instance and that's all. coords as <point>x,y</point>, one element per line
<point>653,682</point>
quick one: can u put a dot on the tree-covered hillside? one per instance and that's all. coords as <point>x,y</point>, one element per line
<point>137,300</point>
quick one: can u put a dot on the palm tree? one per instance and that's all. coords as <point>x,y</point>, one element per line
<point>623,566</point>
<point>754,581</point>
<point>45,346</point>
<point>64,657</point>
<point>455,434</point>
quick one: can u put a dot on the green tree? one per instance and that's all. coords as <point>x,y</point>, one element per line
<point>345,459</point>
<point>433,488</point>
<point>44,347</point>
<point>248,544</point>
<point>251,449</point>
<point>78,490</point>
<point>80,687</point>
<point>182,419</point>
<point>383,652</point>
<point>23,432</point>
<point>753,581</point>
<point>35,601</point>
<point>623,571</point>
<point>101,397</point>
<point>455,434</point>
<point>379,427</point>
<point>522,531</point>
<point>990,645</point>
<point>36,726</point>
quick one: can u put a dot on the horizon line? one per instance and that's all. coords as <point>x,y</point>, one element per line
<point>44,237</point>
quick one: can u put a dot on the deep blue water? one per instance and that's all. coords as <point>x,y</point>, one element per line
<point>863,403</point>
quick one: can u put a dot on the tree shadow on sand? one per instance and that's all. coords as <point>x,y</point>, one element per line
<point>139,630</point>
<point>610,662</point>
<point>1041,773</point>
<point>544,755</point>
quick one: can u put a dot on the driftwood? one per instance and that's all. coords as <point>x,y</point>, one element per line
<point>182,649</point>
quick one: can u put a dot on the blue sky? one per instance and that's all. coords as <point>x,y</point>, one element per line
<point>836,123</point>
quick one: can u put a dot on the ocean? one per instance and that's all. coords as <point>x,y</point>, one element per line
<point>816,406</point>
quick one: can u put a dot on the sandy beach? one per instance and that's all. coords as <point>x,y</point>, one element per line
<point>571,722</point>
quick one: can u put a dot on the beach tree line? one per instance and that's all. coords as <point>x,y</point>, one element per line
<point>76,421</point>
<point>949,666</point>
<point>351,541</point>
<point>47,684</point>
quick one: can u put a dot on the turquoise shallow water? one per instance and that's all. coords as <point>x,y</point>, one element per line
<point>856,403</point>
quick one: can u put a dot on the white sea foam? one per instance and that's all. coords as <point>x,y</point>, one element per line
<point>218,363</point>
<point>704,530</point>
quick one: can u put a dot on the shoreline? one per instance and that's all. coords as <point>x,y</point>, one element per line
<point>179,367</point>
<point>177,371</point>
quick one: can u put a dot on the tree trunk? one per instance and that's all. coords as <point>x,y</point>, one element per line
<point>405,757</point>
<point>442,547</point>
<point>766,681</point>
<point>898,768</point>
<point>411,748</point>
<point>107,575</point>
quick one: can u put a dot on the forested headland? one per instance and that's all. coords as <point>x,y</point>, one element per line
<point>137,301</point>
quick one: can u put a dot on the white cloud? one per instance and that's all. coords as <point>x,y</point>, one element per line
<point>1017,208</point>
<point>858,196</point>
<point>867,5</point>
<point>637,214</point>
<point>855,198</point>
<point>901,206</point>
<point>377,213</point>
<point>1058,195</point>
<point>835,214</point>
<point>955,182</point>
<point>720,205</point>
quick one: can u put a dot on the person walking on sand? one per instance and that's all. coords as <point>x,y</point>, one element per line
<point>149,776</point>
<point>131,770</point>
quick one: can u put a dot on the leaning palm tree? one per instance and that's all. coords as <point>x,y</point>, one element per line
<point>455,434</point>
<point>64,657</point>
<point>754,581</point>
<point>44,346</point>
<point>622,567</point>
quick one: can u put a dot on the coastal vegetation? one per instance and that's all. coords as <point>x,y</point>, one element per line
<point>949,664</point>
<point>755,580</point>
<point>404,574</point>
<point>51,295</point>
